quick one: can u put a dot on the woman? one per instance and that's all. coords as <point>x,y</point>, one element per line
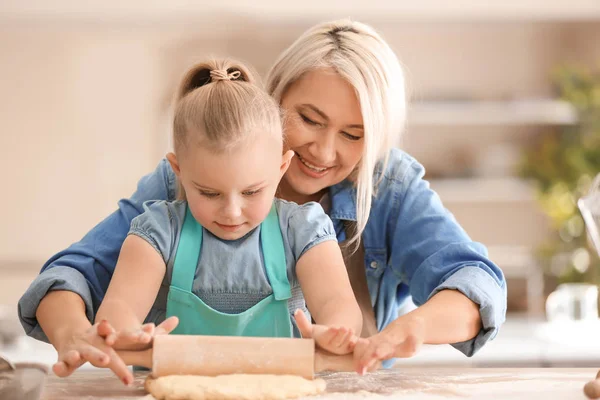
<point>342,90</point>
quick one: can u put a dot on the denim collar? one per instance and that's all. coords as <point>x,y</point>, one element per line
<point>343,201</point>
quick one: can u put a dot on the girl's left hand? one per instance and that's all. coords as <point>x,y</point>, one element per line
<point>402,338</point>
<point>336,340</point>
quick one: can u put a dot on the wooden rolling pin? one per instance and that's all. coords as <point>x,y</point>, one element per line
<point>221,355</point>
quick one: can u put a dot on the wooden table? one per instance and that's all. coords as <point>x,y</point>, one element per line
<point>403,383</point>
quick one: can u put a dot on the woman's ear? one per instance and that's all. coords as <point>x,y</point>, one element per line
<point>286,159</point>
<point>172,158</point>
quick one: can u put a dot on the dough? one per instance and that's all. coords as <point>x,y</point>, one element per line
<point>238,387</point>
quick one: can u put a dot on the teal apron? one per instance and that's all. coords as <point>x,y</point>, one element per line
<point>269,318</point>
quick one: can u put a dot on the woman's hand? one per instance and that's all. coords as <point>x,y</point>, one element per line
<point>90,346</point>
<point>402,338</point>
<point>99,343</point>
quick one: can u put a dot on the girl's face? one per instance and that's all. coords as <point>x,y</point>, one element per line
<point>324,128</point>
<point>230,193</point>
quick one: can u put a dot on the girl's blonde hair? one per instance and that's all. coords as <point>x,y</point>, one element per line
<point>359,55</point>
<point>221,105</point>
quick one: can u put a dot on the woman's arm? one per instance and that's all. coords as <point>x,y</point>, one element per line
<point>460,292</point>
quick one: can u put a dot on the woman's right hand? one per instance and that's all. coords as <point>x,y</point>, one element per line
<point>99,343</point>
<point>90,346</point>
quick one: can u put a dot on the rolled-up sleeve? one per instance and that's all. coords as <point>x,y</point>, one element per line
<point>485,291</point>
<point>57,278</point>
<point>432,252</point>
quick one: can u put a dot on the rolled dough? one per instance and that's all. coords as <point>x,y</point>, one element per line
<point>238,387</point>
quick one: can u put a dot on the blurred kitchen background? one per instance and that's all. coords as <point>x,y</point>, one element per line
<point>504,114</point>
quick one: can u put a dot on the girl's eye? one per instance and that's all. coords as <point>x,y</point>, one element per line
<point>210,195</point>
<point>251,192</point>
<point>351,137</point>
<point>309,121</point>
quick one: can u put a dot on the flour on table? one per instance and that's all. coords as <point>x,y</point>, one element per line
<point>238,387</point>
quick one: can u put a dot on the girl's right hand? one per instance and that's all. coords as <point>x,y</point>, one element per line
<point>336,340</point>
<point>140,338</point>
<point>90,346</point>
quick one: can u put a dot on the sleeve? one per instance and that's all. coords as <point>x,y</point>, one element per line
<point>431,252</point>
<point>56,278</point>
<point>91,261</point>
<point>157,226</point>
<point>308,225</point>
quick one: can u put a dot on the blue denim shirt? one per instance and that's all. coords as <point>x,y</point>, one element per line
<point>413,248</point>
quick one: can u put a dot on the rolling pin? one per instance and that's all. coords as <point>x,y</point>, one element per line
<point>222,355</point>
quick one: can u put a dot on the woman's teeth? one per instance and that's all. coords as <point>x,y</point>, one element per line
<point>309,165</point>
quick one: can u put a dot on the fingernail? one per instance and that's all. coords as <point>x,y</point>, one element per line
<point>126,381</point>
<point>363,371</point>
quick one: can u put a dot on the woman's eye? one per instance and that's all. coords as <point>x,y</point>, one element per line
<point>308,120</point>
<point>351,137</point>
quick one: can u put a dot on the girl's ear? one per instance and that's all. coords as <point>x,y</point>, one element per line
<point>286,159</point>
<point>172,158</point>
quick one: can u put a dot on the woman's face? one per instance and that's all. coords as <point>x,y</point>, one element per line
<point>324,128</point>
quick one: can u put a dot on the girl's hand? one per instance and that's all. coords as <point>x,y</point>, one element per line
<point>402,338</point>
<point>336,340</point>
<point>139,338</point>
<point>90,346</point>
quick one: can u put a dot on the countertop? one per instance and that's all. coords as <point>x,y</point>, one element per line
<point>405,383</point>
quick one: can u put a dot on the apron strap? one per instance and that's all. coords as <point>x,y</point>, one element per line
<point>271,240</point>
<point>188,253</point>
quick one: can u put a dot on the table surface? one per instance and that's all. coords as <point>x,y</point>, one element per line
<point>405,383</point>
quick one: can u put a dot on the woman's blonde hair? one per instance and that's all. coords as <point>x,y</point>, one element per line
<point>359,55</point>
<point>221,105</point>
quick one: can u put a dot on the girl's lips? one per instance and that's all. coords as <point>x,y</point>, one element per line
<point>229,228</point>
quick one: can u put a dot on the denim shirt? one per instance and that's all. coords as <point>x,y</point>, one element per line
<point>413,248</point>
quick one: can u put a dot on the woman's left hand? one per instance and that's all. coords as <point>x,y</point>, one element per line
<point>402,338</point>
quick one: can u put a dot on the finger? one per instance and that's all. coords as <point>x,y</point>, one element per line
<point>323,334</point>
<point>104,328</point>
<point>68,364</point>
<point>304,325</point>
<point>167,326</point>
<point>118,367</point>
<point>341,338</point>
<point>111,339</point>
<point>362,345</point>
<point>72,357</point>
<point>149,331</point>
<point>94,356</point>
<point>408,348</point>
<point>376,352</point>
<point>62,370</point>
<point>352,341</point>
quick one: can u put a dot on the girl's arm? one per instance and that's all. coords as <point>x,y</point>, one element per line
<point>329,296</point>
<point>134,285</point>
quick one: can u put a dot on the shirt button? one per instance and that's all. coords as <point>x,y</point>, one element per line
<point>374,264</point>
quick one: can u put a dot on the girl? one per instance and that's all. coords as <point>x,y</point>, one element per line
<point>226,258</point>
